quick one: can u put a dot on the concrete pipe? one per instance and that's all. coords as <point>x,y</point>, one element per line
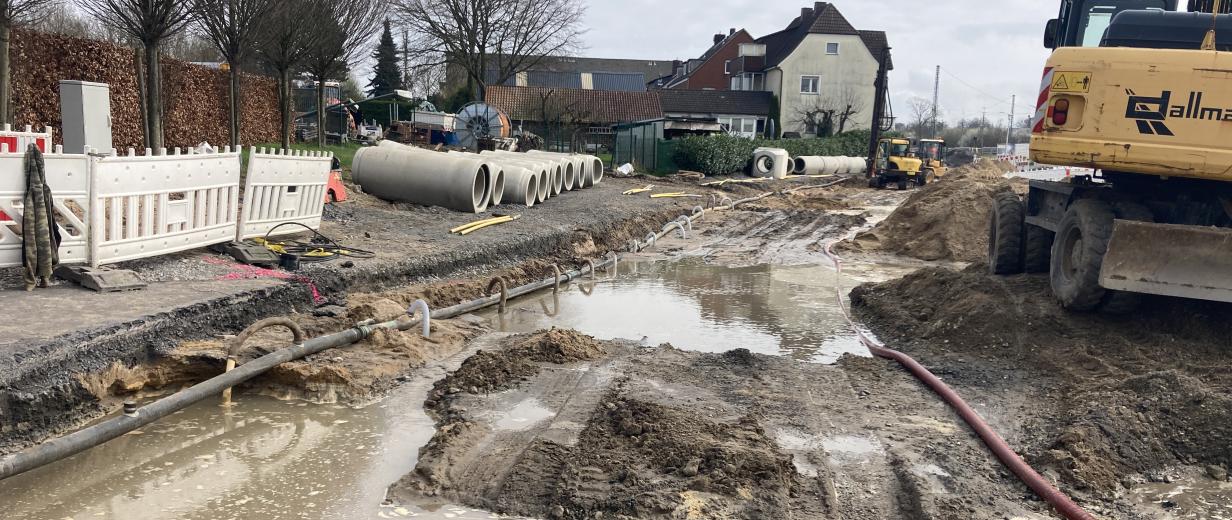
<point>515,189</point>
<point>771,162</point>
<point>809,165</point>
<point>575,180</point>
<point>563,166</point>
<point>859,165</point>
<point>591,175</point>
<point>521,186</point>
<point>432,179</point>
<point>552,170</point>
<point>497,188</point>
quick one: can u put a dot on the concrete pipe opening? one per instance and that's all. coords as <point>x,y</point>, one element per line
<point>482,189</point>
<point>570,176</point>
<point>545,185</point>
<point>521,186</point>
<point>558,178</point>
<point>596,170</point>
<point>498,185</point>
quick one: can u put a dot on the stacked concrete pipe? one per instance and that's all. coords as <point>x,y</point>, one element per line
<point>576,179</point>
<point>521,182</point>
<point>408,174</point>
<point>552,183</point>
<point>838,165</point>
<point>565,170</point>
<point>591,175</point>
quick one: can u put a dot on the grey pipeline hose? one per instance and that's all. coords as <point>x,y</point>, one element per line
<point>425,315</point>
<point>237,344</point>
<point>504,291</point>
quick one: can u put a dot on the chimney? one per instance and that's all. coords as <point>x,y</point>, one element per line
<point>731,32</point>
<point>818,7</point>
<point>677,65</point>
<point>718,38</point>
<point>805,14</point>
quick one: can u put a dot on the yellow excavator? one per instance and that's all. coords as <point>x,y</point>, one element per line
<point>895,163</point>
<point>932,154</point>
<point>1142,95</point>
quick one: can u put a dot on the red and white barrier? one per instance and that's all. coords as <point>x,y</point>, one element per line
<point>16,141</point>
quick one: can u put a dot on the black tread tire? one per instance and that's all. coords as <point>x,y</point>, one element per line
<point>1037,249</point>
<point>1075,281</point>
<point>1005,234</point>
<point>924,178</point>
<point>902,184</point>
<point>1121,302</point>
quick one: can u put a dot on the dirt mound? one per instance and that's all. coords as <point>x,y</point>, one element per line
<point>1096,399</point>
<point>944,221</point>
<point>493,371</point>
<point>664,459</point>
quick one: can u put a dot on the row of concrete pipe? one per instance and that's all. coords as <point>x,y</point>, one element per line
<point>470,182</point>
<point>839,165</point>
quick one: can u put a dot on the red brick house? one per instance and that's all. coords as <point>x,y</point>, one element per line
<point>712,71</point>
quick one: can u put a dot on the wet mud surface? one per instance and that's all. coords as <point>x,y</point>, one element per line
<point>1102,404</point>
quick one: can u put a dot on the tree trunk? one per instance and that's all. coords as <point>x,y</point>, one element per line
<point>321,112</point>
<point>235,106</point>
<point>154,102</point>
<point>6,88</point>
<point>284,106</point>
<point>142,99</point>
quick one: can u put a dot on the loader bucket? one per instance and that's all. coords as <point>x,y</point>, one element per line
<point>1170,260</point>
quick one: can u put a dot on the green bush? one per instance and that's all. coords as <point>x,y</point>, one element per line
<point>725,154</point>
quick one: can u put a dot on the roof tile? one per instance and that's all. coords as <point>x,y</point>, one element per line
<point>584,106</point>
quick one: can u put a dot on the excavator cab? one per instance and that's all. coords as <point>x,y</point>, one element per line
<point>932,153</point>
<point>895,164</point>
<point>1082,23</point>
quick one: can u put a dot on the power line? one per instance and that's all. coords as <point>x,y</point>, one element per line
<point>977,89</point>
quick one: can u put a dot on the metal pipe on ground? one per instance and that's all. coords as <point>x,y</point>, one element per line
<point>424,177</point>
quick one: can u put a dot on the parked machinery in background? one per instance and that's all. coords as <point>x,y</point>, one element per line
<point>479,123</point>
<point>932,153</point>
<point>894,164</point>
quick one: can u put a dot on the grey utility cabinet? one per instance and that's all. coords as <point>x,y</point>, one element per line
<point>85,116</point>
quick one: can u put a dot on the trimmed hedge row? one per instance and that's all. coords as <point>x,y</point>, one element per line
<point>725,154</point>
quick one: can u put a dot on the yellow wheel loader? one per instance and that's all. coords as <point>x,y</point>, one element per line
<point>932,154</point>
<point>1141,94</point>
<point>895,164</point>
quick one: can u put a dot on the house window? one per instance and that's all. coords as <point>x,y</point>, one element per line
<point>810,84</point>
<point>727,67</point>
<point>832,48</point>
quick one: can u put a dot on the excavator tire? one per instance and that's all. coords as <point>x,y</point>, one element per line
<point>1037,249</point>
<point>1005,234</point>
<point>1078,254</point>
<point>1122,302</point>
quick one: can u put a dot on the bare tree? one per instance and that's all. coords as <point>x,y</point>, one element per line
<point>150,22</point>
<point>14,13</point>
<point>921,112</point>
<point>285,38</point>
<point>232,25</point>
<point>340,38</point>
<point>501,37</point>
<point>424,80</point>
<point>847,103</point>
<point>831,113</point>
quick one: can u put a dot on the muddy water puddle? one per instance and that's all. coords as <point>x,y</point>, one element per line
<point>1193,498</point>
<point>271,459</point>
<point>767,309</point>
<point>261,458</point>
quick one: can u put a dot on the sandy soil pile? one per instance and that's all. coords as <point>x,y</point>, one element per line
<point>1103,402</point>
<point>944,221</point>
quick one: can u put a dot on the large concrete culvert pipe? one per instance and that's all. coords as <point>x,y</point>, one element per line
<point>497,189</point>
<point>521,183</point>
<point>552,170</point>
<point>591,174</point>
<point>424,177</point>
<point>561,168</point>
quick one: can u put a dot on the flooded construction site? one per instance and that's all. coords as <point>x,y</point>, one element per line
<point>711,374</point>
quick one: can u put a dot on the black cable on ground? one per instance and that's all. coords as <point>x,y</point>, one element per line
<point>319,248</point>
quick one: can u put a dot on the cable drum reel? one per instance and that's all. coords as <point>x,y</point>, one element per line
<point>477,121</point>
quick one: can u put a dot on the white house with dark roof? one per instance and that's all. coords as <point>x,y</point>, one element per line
<point>819,61</point>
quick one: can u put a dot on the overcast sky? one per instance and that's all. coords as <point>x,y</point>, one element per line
<point>996,48</point>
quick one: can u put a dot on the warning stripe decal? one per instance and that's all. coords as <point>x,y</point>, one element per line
<point>1041,107</point>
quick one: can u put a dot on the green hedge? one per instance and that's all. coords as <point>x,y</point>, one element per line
<point>725,154</point>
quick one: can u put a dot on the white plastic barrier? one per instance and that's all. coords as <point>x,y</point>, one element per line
<point>16,141</point>
<point>68,176</point>
<point>283,186</point>
<point>152,205</point>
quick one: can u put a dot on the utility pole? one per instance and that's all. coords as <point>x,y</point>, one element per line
<point>936,91</point>
<point>1009,133</point>
<point>983,124</point>
<point>406,53</point>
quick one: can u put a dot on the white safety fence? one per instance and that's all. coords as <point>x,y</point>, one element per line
<point>16,141</point>
<point>283,187</point>
<point>69,177</point>
<point>112,208</point>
